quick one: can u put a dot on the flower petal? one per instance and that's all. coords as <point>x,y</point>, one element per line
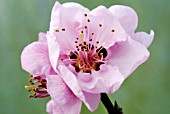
<point>144,38</point>
<point>128,55</point>
<point>106,28</point>
<point>107,80</point>
<point>72,82</point>
<point>54,50</point>
<point>35,59</point>
<point>92,100</point>
<point>42,37</point>
<point>75,5</point>
<point>64,21</point>
<point>62,95</point>
<point>52,108</point>
<point>126,16</point>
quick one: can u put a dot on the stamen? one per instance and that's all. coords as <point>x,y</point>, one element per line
<point>40,89</point>
<point>81,33</point>
<point>100,25</point>
<point>85,15</point>
<point>92,33</point>
<point>56,30</point>
<point>112,30</point>
<point>63,29</point>
<point>88,20</point>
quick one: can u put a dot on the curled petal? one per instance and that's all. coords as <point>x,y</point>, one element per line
<point>107,80</point>
<point>62,95</point>
<point>144,38</point>
<point>35,59</point>
<point>128,55</point>
<point>126,16</point>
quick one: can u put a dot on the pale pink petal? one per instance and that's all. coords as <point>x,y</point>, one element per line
<point>128,55</point>
<point>54,50</point>
<point>66,19</point>
<point>144,38</point>
<point>75,5</point>
<point>62,95</point>
<point>106,80</point>
<point>35,59</point>
<point>126,16</point>
<point>106,28</point>
<point>52,108</point>
<point>92,100</point>
<point>71,80</point>
<point>42,37</point>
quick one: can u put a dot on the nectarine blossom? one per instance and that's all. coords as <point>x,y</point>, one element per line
<point>98,49</point>
<point>85,53</point>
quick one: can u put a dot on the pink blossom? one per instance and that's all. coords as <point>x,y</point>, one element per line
<point>98,49</point>
<point>85,53</point>
<point>45,81</point>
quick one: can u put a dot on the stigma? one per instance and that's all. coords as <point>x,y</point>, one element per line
<point>38,86</point>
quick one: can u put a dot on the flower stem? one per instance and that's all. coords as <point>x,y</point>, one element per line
<point>109,106</point>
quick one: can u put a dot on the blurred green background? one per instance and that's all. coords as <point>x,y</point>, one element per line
<point>146,91</point>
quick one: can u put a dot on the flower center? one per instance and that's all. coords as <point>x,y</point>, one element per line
<point>87,56</point>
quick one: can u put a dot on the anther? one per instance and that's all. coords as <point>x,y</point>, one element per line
<point>84,43</point>
<point>63,29</point>
<point>97,42</point>
<point>100,25</point>
<point>56,30</point>
<point>92,33</point>
<point>85,15</point>
<point>76,42</point>
<point>81,34</point>
<point>90,39</point>
<point>112,30</point>
<point>85,27</point>
<point>88,20</point>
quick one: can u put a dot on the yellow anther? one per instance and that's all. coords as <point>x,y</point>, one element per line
<point>57,30</point>
<point>28,88</point>
<point>31,75</point>
<point>101,53</point>
<point>81,33</point>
